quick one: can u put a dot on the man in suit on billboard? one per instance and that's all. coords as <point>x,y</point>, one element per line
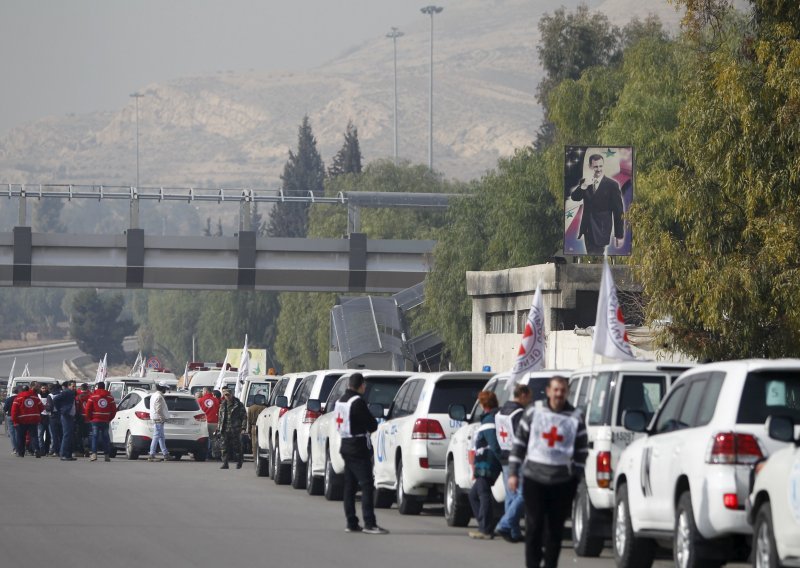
<point>602,209</point>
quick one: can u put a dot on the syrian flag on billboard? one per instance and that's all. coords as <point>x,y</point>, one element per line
<point>244,369</point>
<point>531,351</point>
<point>102,369</point>
<point>610,339</point>
<point>221,378</point>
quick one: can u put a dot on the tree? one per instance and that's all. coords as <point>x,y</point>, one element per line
<point>303,174</point>
<point>96,326</point>
<point>47,216</point>
<point>348,158</point>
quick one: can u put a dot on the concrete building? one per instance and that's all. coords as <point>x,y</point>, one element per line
<point>501,300</point>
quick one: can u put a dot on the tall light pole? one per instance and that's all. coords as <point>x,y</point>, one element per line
<point>394,34</point>
<point>136,97</point>
<point>431,10</point>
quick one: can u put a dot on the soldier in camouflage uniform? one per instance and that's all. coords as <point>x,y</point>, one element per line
<point>232,420</point>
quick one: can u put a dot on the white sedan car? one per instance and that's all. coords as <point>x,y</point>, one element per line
<point>774,504</point>
<point>410,448</point>
<point>186,430</point>
<point>325,466</point>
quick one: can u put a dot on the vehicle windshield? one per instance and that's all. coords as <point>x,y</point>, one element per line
<point>448,392</point>
<point>177,403</point>
<point>257,388</point>
<point>770,393</point>
<point>381,390</point>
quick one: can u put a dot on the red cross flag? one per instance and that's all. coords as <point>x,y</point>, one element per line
<point>531,351</point>
<point>610,338</point>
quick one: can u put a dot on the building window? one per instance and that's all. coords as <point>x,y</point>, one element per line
<point>500,322</point>
<point>522,317</point>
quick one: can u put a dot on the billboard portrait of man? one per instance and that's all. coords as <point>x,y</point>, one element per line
<point>598,190</point>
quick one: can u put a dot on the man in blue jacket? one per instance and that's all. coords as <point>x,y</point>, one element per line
<point>64,405</point>
<point>487,468</point>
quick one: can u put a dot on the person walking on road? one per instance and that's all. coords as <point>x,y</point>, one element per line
<point>64,406</point>
<point>55,421</point>
<point>100,411</point>
<point>507,421</point>
<point>43,431</point>
<point>10,430</point>
<point>487,467</point>
<point>232,420</point>
<point>81,426</point>
<point>356,423</point>
<point>549,450</point>
<point>159,415</point>
<point>26,412</point>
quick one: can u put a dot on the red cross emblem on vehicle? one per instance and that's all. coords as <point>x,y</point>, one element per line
<point>552,437</point>
<point>339,421</point>
<point>503,434</point>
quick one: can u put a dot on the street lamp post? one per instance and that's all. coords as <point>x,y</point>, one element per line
<point>394,34</point>
<point>135,202</point>
<point>431,10</point>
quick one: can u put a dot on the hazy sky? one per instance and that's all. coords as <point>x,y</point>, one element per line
<point>77,56</point>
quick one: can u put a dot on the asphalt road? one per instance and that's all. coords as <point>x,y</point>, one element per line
<point>134,514</point>
<point>46,361</point>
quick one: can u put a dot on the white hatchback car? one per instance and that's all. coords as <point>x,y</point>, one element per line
<point>325,466</point>
<point>687,480</point>
<point>267,427</point>
<point>186,429</point>
<point>295,425</point>
<point>774,504</point>
<point>410,448</point>
<point>460,454</point>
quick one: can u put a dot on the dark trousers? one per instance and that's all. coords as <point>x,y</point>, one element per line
<point>100,440</point>
<point>55,434</point>
<point>480,498</point>
<point>43,433</point>
<point>22,430</point>
<point>67,429</point>
<point>358,473</point>
<point>232,450</point>
<point>546,510</point>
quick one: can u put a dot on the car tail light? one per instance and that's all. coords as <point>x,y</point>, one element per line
<point>427,429</point>
<point>142,415</point>
<point>201,417</point>
<point>282,411</point>
<point>730,500</point>
<point>604,469</point>
<point>423,463</point>
<point>310,416</point>
<point>734,449</point>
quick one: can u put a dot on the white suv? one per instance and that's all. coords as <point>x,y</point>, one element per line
<point>325,468</point>
<point>604,393</point>
<point>460,454</point>
<point>295,424</point>
<point>688,478</point>
<point>267,426</point>
<point>410,448</point>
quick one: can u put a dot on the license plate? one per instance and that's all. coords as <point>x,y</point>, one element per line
<point>176,421</point>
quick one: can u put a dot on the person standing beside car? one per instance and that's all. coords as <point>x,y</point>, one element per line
<point>259,404</point>
<point>356,423</point>
<point>209,404</point>
<point>159,415</point>
<point>10,431</point>
<point>232,420</point>
<point>64,407</point>
<point>487,467</point>
<point>100,411</point>
<point>507,421</point>
<point>550,448</point>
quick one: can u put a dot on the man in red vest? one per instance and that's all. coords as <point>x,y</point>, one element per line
<point>100,410</point>
<point>26,413</point>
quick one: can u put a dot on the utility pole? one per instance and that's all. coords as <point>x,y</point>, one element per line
<point>394,34</point>
<point>134,214</point>
<point>431,10</point>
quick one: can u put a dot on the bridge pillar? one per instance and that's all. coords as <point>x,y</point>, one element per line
<point>23,256</point>
<point>134,208</point>
<point>357,277</point>
<point>246,277</point>
<point>134,276</point>
<point>23,210</point>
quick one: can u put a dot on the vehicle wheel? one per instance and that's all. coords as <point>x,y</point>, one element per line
<point>282,473</point>
<point>457,511</point>
<point>262,465</point>
<point>384,498</point>
<point>630,551</point>
<point>583,520</point>
<point>298,470</point>
<point>406,504</point>
<point>765,553</point>
<point>201,453</point>
<point>332,482</point>
<point>271,466</point>
<point>687,541</point>
<point>112,451</point>
<point>314,484</point>
<point>130,451</point>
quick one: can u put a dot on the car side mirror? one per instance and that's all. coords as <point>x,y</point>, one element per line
<point>282,402</point>
<point>376,409</point>
<point>634,420</point>
<point>457,412</point>
<point>314,405</point>
<point>781,428</point>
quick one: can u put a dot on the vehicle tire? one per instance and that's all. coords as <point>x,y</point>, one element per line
<point>384,498</point>
<point>332,482</point>
<point>457,511</point>
<point>584,517</point>
<point>271,466</point>
<point>177,457</point>
<point>765,553</point>
<point>130,451</point>
<point>112,451</point>
<point>687,542</point>
<point>201,453</point>
<point>262,465</point>
<point>406,504</point>
<point>298,470</point>
<point>630,551</point>
<point>282,473</point>
<point>313,483</point>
